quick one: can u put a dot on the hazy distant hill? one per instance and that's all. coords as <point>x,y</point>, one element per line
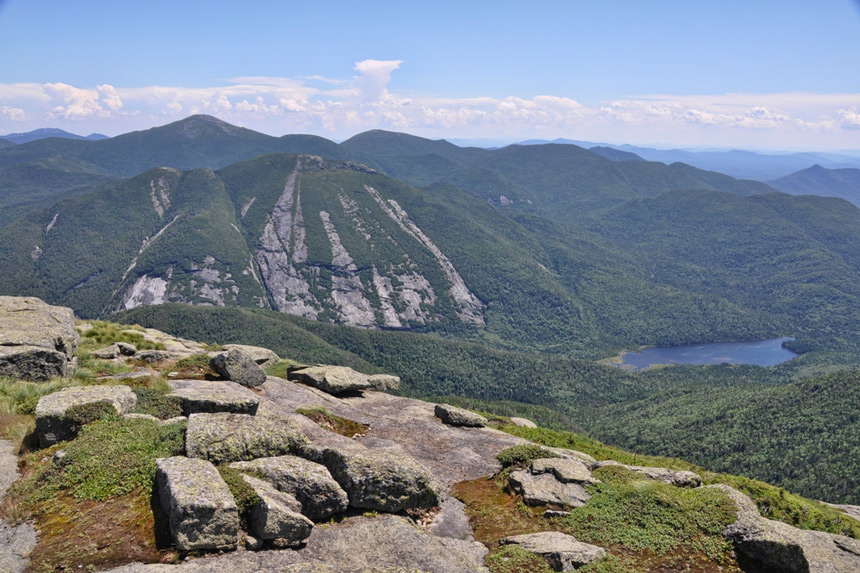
<point>5,143</point>
<point>45,133</point>
<point>817,180</point>
<point>614,154</point>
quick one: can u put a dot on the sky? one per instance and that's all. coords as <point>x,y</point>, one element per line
<point>763,74</point>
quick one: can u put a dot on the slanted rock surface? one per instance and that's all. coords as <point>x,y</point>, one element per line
<point>239,367</point>
<point>563,552</point>
<point>564,470</point>
<point>225,437</point>
<point>37,341</point>
<point>277,516</point>
<point>680,478</point>
<point>16,542</point>
<point>332,379</point>
<point>198,504</point>
<point>262,356</point>
<point>523,423</point>
<point>384,382</point>
<point>203,396</point>
<point>52,421</point>
<point>455,416</point>
<point>545,489</point>
<point>311,483</point>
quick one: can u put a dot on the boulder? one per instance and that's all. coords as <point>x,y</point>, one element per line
<point>332,379</point>
<point>262,356</point>
<point>545,489</point>
<point>154,355</point>
<point>225,437</point>
<point>199,396</point>
<point>454,416</point>
<point>106,353</point>
<point>574,455</point>
<point>384,382</point>
<point>523,423</point>
<point>53,420</point>
<point>239,367</point>
<point>563,552</point>
<point>311,483</point>
<point>785,548</point>
<point>198,504</point>
<point>126,349</point>
<point>680,478</point>
<point>382,480</point>
<point>277,516</point>
<point>37,341</point>
<point>564,470</point>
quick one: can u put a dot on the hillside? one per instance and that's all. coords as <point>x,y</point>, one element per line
<point>842,183</point>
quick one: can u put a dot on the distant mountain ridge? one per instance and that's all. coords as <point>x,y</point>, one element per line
<point>46,132</point>
<point>843,183</point>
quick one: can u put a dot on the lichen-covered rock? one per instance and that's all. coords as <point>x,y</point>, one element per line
<point>311,483</point>
<point>381,480</point>
<point>126,349</point>
<point>154,355</point>
<point>523,423</point>
<point>384,382</point>
<point>198,504</point>
<point>563,552</point>
<point>545,489</point>
<point>37,341</point>
<point>332,379</point>
<point>201,396</point>
<point>53,424</point>
<point>574,455</point>
<point>454,416</point>
<point>262,356</point>
<point>239,367</point>
<point>225,437</point>
<point>564,470</point>
<point>106,353</point>
<point>680,478</point>
<point>277,516</point>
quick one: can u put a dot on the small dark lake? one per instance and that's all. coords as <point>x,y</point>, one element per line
<point>758,352</point>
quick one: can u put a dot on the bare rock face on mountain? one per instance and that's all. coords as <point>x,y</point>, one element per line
<point>225,437</point>
<point>37,341</point>
<point>563,552</point>
<point>277,516</point>
<point>55,413</point>
<point>203,396</point>
<point>455,416</point>
<point>332,379</point>
<point>262,356</point>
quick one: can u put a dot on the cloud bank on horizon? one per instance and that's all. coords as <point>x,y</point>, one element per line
<point>340,107</point>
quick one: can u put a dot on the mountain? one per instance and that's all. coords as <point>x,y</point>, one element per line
<point>4,143</point>
<point>843,183</point>
<point>614,154</point>
<point>44,133</point>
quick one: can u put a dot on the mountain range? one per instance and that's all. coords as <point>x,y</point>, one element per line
<point>45,133</point>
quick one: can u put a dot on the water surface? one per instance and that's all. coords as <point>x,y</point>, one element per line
<point>758,352</point>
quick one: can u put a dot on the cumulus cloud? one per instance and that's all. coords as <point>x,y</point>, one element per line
<point>850,118</point>
<point>373,81</point>
<point>12,113</point>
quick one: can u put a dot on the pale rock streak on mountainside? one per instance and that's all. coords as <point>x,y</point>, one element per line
<point>469,305</point>
<point>52,223</point>
<point>159,193</point>
<point>347,288</point>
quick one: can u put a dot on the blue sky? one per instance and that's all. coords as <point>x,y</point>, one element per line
<point>764,74</point>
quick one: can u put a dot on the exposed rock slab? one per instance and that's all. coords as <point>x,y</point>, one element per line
<point>262,356</point>
<point>523,423</point>
<point>52,421</point>
<point>332,379</point>
<point>384,382</point>
<point>786,548</point>
<point>37,341</point>
<point>563,552</point>
<point>225,437</point>
<point>574,455</point>
<point>203,396</point>
<point>106,353</point>
<point>564,470</point>
<point>545,489</point>
<point>277,516</point>
<point>198,504</point>
<point>455,416</point>
<point>311,483</point>
<point>680,478</point>
<point>16,542</point>
<point>239,367</point>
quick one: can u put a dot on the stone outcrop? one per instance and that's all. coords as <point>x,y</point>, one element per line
<point>545,489</point>
<point>332,379</point>
<point>563,552</point>
<point>239,367</point>
<point>262,356</point>
<point>198,504</point>
<point>384,382</point>
<point>277,517</point>
<point>199,396</point>
<point>382,480</point>
<point>37,341</point>
<point>225,437</point>
<point>53,421</point>
<point>680,478</point>
<point>523,423</point>
<point>311,483</point>
<point>115,350</point>
<point>564,470</point>
<point>785,548</point>
<point>455,416</point>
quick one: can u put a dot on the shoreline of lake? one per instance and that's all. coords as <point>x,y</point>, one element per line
<point>767,352</point>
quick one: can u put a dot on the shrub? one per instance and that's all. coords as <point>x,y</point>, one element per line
<point>156,403</point>
<point>522,455</point>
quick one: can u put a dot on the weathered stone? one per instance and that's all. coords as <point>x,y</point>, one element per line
<point>173,420</point>
<point>564,470</point>
<point>198,504</point>
<point>311,483</point>
<point>785,548</point>
<point>262,356</point>
<point>126,349</point>
<point>253,543</point>
<point>37,341</point>
<point>154,355</point>
<point>332,379</point>
<point>200,396</point>
<point>106,353</point>
<point>680,478</point>
<point>544,489</point>
<point>563,552</point>
<point>54,425</point>
<point>135,416</point>
<point>523,423</point>
<point>384,382</point>
<point>382,480</point>
<point>574,455</point>
<point>454,416</point>
<point>239,367</point>
<point>277,515</point>
<point>225,437</point>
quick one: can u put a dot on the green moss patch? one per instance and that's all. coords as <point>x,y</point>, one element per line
<point>331,422</point>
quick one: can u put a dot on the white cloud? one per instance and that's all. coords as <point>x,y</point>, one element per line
<point>12,113</point>
<point>850,118</point>
<point>373,81</point>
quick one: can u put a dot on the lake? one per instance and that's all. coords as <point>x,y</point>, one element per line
<point>758,352</point>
